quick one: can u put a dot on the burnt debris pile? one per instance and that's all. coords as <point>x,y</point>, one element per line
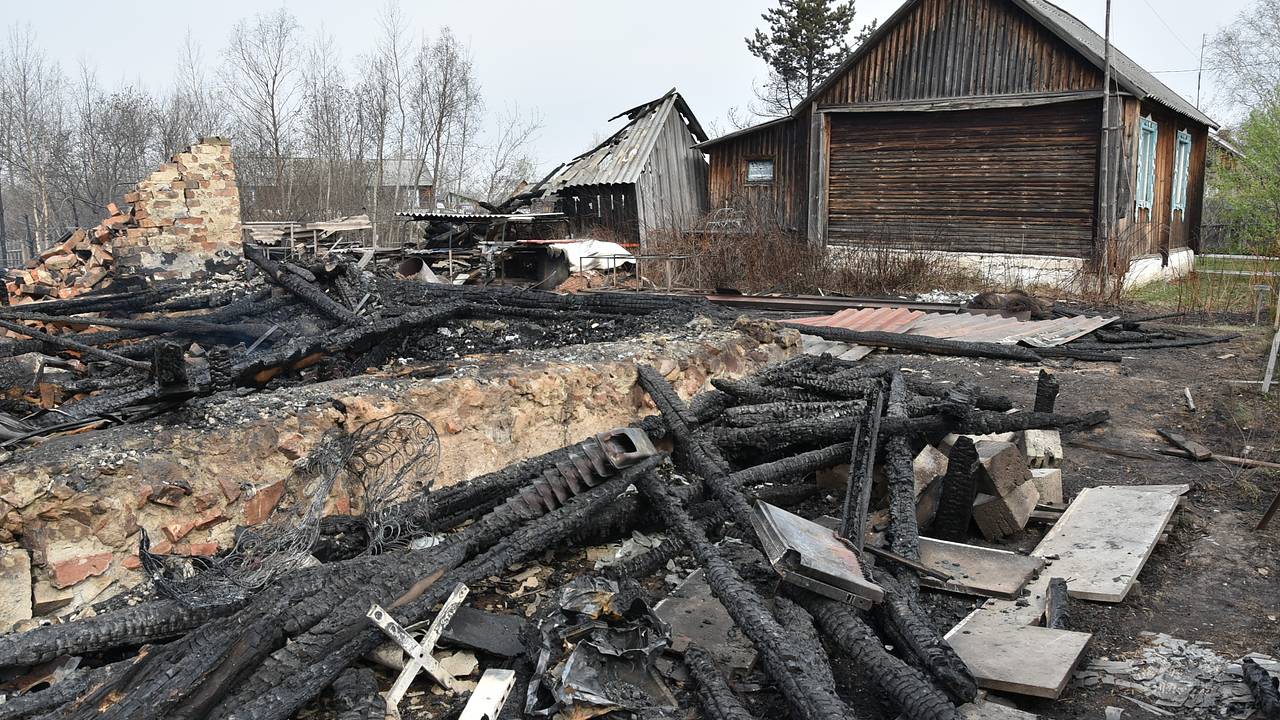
<point>125,356</point>
<point>822,596</point>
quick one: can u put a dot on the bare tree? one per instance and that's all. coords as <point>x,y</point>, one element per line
<point>1244,54</point>
<point>507,159</point>
<point>259,78</point>
<point>32,127</point>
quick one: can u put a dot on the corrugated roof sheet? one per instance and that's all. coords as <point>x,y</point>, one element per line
<point>969,327</point>
<point>621,158</point>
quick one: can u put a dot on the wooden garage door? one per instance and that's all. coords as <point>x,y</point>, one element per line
<point>1009,180</point>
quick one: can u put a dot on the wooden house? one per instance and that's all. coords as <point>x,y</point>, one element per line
<point>645,177</point>
<point>975,126</point>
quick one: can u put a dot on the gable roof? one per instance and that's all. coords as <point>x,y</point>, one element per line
<point>621,158</point>
<point>1127,73</point>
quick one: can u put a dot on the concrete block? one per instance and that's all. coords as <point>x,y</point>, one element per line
<point>928,466</point>
<point>15,587</point>
<point>1043,448</point>
<point>1048,482</point>
<point>1001,516</point>
<point>1002,467</point>
<point>949,440</point>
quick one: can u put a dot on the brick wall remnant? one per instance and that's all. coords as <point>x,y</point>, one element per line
<point>185,221</point>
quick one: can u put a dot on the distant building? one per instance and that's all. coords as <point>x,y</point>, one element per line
<point>975,126</point>
<point>645,177</point>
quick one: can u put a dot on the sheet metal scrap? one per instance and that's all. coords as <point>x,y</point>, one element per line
<point>811,556</point>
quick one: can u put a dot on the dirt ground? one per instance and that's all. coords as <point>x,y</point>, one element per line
<point>1215,578</point>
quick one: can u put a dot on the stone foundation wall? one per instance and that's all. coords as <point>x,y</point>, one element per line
<point>185,221</point>
<point>74,507</point>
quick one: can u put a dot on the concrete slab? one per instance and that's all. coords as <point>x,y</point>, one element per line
<point>696,616</point>
<point>1105,537</point>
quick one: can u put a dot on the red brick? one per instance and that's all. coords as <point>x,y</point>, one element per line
<point>196,549</point>
<point>260,506</point>
<point>69,572</point>
<point>178,530</point>
<point>132,562</point>
<point>209,519</point>
<point>230,489</point>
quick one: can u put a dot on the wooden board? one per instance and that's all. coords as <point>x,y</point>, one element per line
<point>980,571</point>
<point>1008,657</point>
<point>1105,537</point>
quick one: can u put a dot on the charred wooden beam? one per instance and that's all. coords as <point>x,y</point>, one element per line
<point>1163,345</point>
<point>750,393</point>
<point>792,466</point>
<point>751,415</point>
<point>981,400</point>
<point>906,625</point>
<point>904,533</point>
<point>857,497</point>
<point>356,694</point>
<point>186,327</point>
<point>807,654</point>
<point>62,343</point>
<point>959,488</point>
<point>908,690</point>
<point>1265,689</point>
<point>809,699</point>
<point>1046,392</point>
<point>1057,609</point>
<point>281,274</point>
<point>920,343</point>
<point>717,700</point>
<point>42,703</point>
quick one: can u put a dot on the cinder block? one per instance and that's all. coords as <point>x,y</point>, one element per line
<point>1048,483</point>
<point>1001,516</point>
<point>1002,468</point>
<point>928,466</point>
<point>1043,448</point>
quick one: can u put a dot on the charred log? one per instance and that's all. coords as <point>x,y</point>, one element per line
<point>857,496</point>
<point>959,488</point>
<point>356,694</point>
<point>904,533</point>
<point>717,700</point>
<point>905,625</point>
<point>807,655</point>
<point>1265,689</point>
<point>283,274</point>
<point>1046,392</point>
<point>751,415</point>
<point>1057,609</point>
<point>910,692</point>
<point>749,393</point>
<point>793,466</point>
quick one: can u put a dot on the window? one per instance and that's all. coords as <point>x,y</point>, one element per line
<point>759,171</point>
<point>1147,137</point>
<point>1181,171</point>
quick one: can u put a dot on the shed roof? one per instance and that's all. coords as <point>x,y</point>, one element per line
<point>1129,75</point>
<point>622,157</point>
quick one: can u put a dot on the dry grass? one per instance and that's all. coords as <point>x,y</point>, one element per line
<point>759,257</point>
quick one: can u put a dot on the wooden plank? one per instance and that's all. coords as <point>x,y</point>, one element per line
<point>1104,538</point>
<point>1026,660</point>
<point>1271,362</point>
<point>981,571</point>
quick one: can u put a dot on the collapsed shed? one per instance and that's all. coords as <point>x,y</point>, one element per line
<point>645,177</point>
<point>975,126</point>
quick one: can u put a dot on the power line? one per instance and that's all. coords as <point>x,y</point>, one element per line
<point>1217,69</point>
<point>1170,29</point>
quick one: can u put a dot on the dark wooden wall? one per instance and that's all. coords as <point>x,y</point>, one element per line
<point>1018,181</point>
<point>1159,229</point>
<point>958,48</point>
<point>787,144</point>
<point>611,208</point>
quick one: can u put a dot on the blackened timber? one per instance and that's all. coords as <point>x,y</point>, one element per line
<point>792,466</point>
<point>1265,688</point>
<point>808,699</point>
<point>717,700</point>
<point>67,344</point>
<point>908,627</point>
<point>909,691</point>
<point>1046,391</point>
<point>959,488</point>
<point>281,275</point>
<point>750,415</point>
<point>904,533</point>
<point>751,393</point>
<point>1057,608</point>
<point>857,498</point>
<point>356,694</point>
<point>920,343</point>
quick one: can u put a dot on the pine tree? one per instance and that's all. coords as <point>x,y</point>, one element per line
<point>805,41</point>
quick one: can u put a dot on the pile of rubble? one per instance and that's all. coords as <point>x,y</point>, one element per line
<point>264,629</point>
<point>80,262</point>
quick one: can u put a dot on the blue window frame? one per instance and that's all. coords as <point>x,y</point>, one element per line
<point>1147,137</point>
<point>1181,171</point>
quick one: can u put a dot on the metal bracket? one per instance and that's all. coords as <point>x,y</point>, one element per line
<point>419,653</point>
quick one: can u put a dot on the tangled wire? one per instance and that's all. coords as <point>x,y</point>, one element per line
<point>386,468</point>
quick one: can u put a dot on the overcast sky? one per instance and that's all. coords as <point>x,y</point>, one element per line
<point>578,62</point>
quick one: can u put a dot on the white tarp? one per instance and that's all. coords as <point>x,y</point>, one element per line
<point>593,254</point>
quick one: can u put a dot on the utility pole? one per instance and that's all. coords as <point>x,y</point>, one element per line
<point>1200,70</point>
<point>1104,167</point>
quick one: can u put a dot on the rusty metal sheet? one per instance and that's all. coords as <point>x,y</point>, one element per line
<point>969,327</point>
